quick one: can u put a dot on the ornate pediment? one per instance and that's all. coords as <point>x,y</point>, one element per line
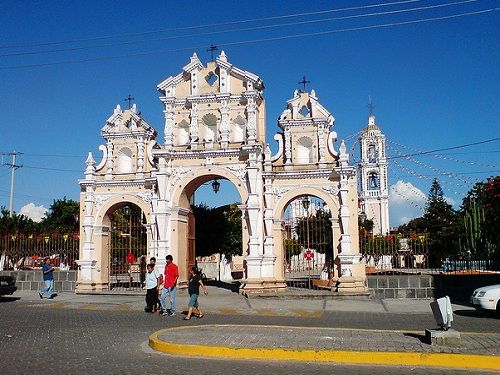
<point>127,122</point>
<point>304,108</point>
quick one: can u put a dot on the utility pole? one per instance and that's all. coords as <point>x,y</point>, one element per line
<point>14,166</point>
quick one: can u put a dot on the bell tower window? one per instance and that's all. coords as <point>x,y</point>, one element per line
<point>373,181</point>
<point>372,154</point>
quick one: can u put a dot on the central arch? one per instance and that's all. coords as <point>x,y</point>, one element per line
<point>182,218</point>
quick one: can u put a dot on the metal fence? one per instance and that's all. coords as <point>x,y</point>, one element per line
<point>396,253</point>
<point>22,251</point>
<point>308,243</point>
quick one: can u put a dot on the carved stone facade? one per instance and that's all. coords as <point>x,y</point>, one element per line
<point>215,129</point>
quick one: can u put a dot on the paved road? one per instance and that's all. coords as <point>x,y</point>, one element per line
<point>108,334</point>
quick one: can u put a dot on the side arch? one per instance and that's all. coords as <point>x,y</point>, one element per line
<point>278,230</point>
<point>117,202</point>
<point>281,205</point>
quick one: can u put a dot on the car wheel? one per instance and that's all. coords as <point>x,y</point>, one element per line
<point>498,308</point>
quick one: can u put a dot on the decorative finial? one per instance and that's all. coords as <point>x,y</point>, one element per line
<point>222,56</point>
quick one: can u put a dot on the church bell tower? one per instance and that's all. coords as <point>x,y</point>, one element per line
<point>372,174</point>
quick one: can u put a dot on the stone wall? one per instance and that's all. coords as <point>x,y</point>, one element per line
<point>401,286</point>
<point>64,281</point>
<point>458,286</point>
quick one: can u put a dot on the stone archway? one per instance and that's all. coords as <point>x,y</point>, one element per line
<point>217,130</point>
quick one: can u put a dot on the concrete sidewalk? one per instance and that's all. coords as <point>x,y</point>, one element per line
<point>200,337</point>
<point>371,347</point>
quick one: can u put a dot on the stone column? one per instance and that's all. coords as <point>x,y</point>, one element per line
<point>193,127</point>
<point>140,157</point>
<point>224,125</point>
<point>349,282</point>
<point>251,109</point>
<point>288,146</point>
<point>109,161</point>
<point>169,124</point>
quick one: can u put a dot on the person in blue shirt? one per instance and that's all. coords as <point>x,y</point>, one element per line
<point>48,279</point>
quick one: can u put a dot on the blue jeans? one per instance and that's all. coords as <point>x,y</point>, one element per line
<point>163,298</point>
<point>48,289</point>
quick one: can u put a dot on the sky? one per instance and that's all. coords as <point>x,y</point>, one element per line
<point>429,67</point>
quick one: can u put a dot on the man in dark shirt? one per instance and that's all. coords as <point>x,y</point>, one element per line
<point>48,279</point>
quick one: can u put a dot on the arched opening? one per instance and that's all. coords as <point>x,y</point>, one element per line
<point>304,151</point>
<point>124,160</point>
<point>238,130</point>
<point>210,127</point>
<point>210,232</point>
<point>182,133</point>
<point>307,242</point>
<point>127,246</point>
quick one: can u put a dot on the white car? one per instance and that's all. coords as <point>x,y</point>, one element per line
<point>487,298</point>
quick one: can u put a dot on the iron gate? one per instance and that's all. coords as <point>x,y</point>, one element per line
<point>128,243</point>
<point>308,242</point>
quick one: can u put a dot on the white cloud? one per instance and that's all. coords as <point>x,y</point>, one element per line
<point>406,202</point>
<point>36,213</point>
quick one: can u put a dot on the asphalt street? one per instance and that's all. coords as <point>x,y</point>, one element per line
<point>109,334</point>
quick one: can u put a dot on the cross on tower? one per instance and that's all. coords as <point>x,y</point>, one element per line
<point>370,105</point>
<point>212,49</point>
<point>304,83</point>
<point>129,100</point>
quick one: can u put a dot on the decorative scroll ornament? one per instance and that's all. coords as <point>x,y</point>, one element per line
<point>331,189</point>
<point>146,196</point>
<point>100,200</point>
<point>178,174</point>
<point>279,191</point>
<point>238,170</point>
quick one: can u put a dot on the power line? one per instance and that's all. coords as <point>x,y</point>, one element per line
<point>240,30</point>
<point>444,149</point>
<point>53,169</point>
<point>211,25</point>
<point>249,41</point>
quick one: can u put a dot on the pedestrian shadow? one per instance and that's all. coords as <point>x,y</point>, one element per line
<point>418,336</point>
<point>233,287</point>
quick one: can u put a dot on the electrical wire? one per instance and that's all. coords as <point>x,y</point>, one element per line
<point>219,32</point>
<point>250,41</point>
<point>211,25</point>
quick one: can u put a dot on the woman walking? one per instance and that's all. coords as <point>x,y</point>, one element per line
<point>194,284</point>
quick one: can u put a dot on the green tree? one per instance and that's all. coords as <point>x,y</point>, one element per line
<point>63,216</point>
<point>442,224</point>
<point>481,220</point>
<point>232,244</point>
<point>16,223</point>
<point>218,230</point>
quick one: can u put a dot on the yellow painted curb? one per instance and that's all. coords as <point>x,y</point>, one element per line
<point>463,361</point>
